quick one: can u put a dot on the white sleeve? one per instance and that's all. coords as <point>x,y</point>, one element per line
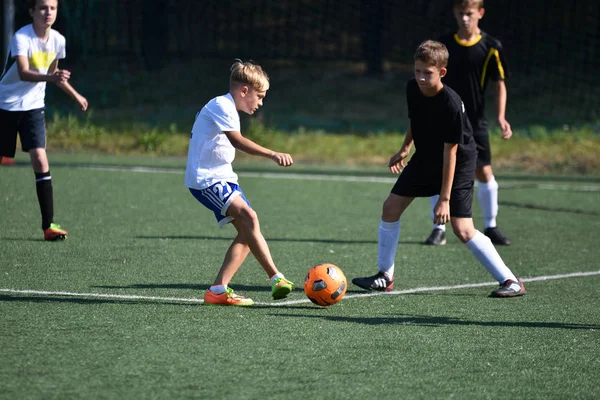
<point>226,118</point>
<point>61,51</point>
<point>19,45</point>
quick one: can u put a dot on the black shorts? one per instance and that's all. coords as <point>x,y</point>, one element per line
<point>415,182</point>
<point>31,126</point>
<point>484,152</point>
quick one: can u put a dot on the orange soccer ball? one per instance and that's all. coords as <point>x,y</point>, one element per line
<point>325,284</point>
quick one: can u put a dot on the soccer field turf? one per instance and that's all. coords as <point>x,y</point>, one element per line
<point>115,311</point>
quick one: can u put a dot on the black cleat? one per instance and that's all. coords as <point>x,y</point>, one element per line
<point>496,236</point>
<point>509,289</point>
<point>378,282</point>
<point>437,238</point>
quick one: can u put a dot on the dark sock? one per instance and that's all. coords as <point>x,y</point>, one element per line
<point>43,186</point>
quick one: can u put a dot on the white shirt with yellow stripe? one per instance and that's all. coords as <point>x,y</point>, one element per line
<point>18,95</point>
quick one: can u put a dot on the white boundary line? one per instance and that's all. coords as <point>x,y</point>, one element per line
<point>301,301</point>
<point>327,177</point>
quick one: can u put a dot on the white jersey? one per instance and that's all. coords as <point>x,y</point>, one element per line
<point>211,153</point>
<point>18,95</point>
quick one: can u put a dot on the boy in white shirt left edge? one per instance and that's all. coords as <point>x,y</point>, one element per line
<point>31,62</point>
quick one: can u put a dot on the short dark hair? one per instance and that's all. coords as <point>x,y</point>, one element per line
<point>432,53</point>
<point>32,3</point>
<point>467,3</point>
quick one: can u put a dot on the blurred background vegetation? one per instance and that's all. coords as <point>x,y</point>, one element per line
<point>338,70</point>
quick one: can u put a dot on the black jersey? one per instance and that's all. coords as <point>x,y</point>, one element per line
<point>470,68</point>
<point>435,121</point>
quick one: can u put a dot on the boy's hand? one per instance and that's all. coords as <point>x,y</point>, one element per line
<point>506,130</point>
<point>60,76</point>
<point>282,159</point>
<point>82,102</point>
<point>441,212</point>
<point>396,163</point>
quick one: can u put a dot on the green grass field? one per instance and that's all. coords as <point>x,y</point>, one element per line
<point>115,311</point>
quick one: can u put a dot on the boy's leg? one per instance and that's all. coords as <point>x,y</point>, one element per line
<point>485,252</point>
<point>43,186</point>
<point>487,194</point>
<point>235,256</point>
<point>487,191</point>
<point>388,236</point>
<point>32,130</point>
<point>438,234</point>
<point>219,293</point>
<point>248,226</point>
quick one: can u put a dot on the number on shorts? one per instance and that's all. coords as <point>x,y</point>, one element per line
<point>222,190</point>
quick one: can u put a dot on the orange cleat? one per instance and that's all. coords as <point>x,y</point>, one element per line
<point>227,298</point>
<point>7,161</point>
<point>55,232</point>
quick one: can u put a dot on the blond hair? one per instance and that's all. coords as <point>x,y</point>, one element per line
<point>248,73</point>
<point>432,53</point>
<point>468,3</point>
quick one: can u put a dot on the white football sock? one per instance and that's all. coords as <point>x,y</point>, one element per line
<point>433,200</point>
<point>487,193</point>
<point>277,275</point>
<point>218,289</point>
<point>485,252</point>
<point>389,233</point>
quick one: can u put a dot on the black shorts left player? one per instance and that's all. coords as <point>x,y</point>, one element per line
<point>30,125</point>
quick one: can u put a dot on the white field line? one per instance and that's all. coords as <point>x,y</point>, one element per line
<point>292,302</point>
<point>332,177</point>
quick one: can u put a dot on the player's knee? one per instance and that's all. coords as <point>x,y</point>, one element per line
<point>247,216</point>
<point>484,174</point>
<point>390,211</point>
<point>463,232</point>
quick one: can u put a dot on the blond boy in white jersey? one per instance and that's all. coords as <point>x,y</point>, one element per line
<point>211,180</point>
<point>34,53</point>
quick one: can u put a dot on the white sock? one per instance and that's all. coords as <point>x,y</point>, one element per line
<point>487,193</point>
<point>277,275</point>
<point>218,289</point>
<point>485,252</point>
<point>433,200</point>
<point>389,233</point>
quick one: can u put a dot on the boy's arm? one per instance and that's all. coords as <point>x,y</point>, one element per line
<point>54,74</point>
<point>67,88</point>
<point>248,146</point>
<point>396,163</point>
<point>501,97</point>
<point>441,211</point>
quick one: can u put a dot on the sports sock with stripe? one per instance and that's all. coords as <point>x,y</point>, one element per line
<point>43,186</point>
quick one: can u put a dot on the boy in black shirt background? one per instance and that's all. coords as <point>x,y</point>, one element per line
<point>476,61</point>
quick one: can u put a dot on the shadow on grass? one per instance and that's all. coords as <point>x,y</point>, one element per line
<point>432,321</point>
<point>47,299</point>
